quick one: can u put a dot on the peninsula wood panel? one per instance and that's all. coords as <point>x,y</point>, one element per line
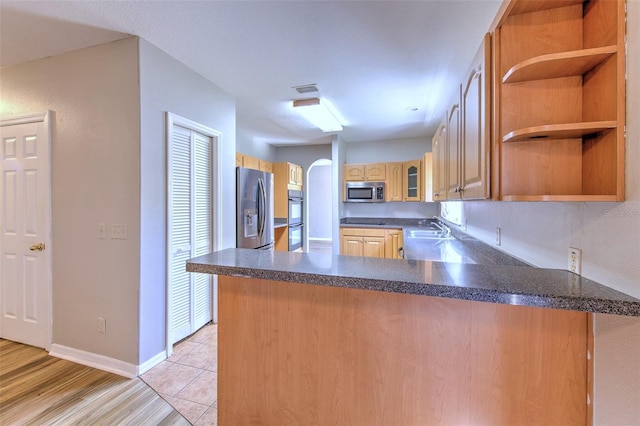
<point>292,354</point>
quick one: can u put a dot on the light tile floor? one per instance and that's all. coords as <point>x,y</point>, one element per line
<point>188,379</point>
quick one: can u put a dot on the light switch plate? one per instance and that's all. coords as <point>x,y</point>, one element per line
<point>102,231</point>
<point>118,231</point>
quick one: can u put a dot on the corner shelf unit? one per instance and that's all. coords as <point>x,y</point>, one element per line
<point>557,65</point>
<point>560,101</point>
<point>559,131</point>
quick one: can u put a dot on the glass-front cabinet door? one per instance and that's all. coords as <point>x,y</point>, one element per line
<point>411,180</point>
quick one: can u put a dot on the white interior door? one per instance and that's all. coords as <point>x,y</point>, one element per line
<point>25,223</point>
<point>190,229</point>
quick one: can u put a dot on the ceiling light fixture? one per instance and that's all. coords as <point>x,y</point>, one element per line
<point>318,114</point>
<point>306,88</point>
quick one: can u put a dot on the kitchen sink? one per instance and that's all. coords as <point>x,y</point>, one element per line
<point>430,234</point>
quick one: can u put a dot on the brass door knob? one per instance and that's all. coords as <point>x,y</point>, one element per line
<point>37,247</point>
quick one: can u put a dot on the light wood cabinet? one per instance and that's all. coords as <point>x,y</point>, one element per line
<point>427,178</point>
<point>452,157</point>
<point>393,242</point>
<point>373,247</point>
<point>476,125</point>
<point>439,162</point>
<point>403,180</point>
<point>281,238</point>
<point>244,160</point>
<point>461,146</point>
<point>295,176</point>
<point>393,185</point>
<point>375,172</point>
<point>412,181</point>
<point>251,162</point>
<point>286,176</point>
<point>370,242</point>
<point>266,166</point>
<point>560,101</point>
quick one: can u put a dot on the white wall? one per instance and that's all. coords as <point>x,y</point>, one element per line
<point>387,150</point>
<point>409,210</point>
<point>338,150</point>
<point>303,155</point>
<point>108,166</point>
<point>248,143</point>
<point>319,192</point>
<point>168,85</point>
<point>95,179</point>
<point>609,236</point>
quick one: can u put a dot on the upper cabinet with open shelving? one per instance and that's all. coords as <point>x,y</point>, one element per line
<point>559,98</point>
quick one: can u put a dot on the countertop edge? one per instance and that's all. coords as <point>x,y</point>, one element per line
<point>593,305</point>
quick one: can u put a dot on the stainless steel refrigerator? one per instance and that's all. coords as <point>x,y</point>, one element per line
<point>254,209</point>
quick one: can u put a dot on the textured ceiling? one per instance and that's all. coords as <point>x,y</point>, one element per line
<point>372,60</point>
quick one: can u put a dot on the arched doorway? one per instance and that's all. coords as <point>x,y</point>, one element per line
<point>319,193</point>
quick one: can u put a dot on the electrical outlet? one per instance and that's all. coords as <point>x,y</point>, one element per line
<point>118,231</point>
<point>102,325</point>
<point>498,236</point>
<point>575,260</point>
<point>102,231</point>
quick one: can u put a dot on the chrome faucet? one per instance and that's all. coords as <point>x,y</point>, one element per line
<point>446,232</point>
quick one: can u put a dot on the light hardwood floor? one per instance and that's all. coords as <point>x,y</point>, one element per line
<point>38,389</point>
<point>319,246</point>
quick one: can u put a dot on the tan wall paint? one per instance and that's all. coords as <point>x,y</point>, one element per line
<point>94,94</point>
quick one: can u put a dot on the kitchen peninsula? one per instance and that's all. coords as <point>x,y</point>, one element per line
<point>321,339</point>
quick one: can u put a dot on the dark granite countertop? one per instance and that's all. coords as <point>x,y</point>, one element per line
<point>460,249</point>
<point>507,284</point>
<point>380,222</point>
<point>279,222</point>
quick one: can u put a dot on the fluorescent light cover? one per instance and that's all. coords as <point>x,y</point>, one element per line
<point>318,114</point>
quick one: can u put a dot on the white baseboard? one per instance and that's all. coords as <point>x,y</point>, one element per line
<point>149,364</point>
<point>90,359</point>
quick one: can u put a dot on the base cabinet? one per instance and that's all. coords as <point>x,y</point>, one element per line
<point>371,242</point>
<point>393,244</point>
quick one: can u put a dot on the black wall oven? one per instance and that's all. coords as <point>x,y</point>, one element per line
<point>295,220</point>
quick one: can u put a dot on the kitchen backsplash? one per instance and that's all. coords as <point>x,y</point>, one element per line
<point>405,210</point>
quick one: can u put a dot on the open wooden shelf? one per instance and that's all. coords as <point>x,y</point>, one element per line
<point>560,101</point>
<point>556,65</point>
<point>558,131</point>
<point>573,198</point>
<point>538,5</point>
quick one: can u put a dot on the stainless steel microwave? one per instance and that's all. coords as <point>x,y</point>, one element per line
<point>364,192</point>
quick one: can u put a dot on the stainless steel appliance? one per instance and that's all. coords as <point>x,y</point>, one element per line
<point>365,192</point>
<point>295,219</point>
<point>254,209</point>
<point>295,237</point>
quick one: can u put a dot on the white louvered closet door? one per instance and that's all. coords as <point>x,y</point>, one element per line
<point>190,229</point>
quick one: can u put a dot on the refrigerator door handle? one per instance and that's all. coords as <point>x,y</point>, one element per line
<point>262,202</point>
